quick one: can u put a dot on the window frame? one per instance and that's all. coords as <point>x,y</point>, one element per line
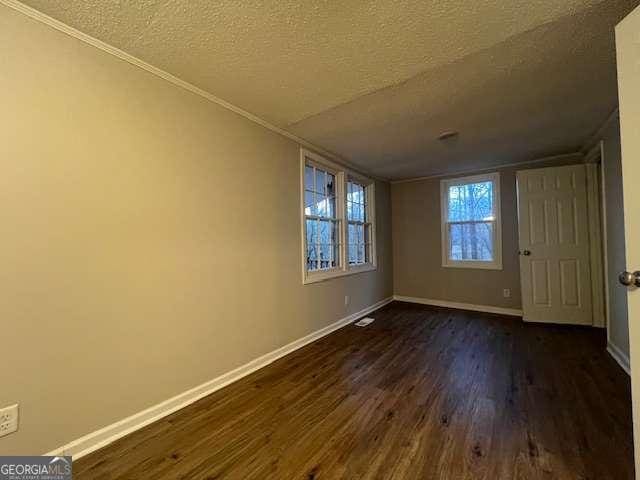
<point>342,176</point>
<point>369,215</point>
<point>445,184</point>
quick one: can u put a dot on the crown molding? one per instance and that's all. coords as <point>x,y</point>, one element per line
<point>594,139</point>
<point>122,55</point>
<point>471,171</point>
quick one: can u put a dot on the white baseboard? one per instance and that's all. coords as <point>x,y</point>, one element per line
<point>461,306</point>
<point>619,356</point>
<point>103,437</point>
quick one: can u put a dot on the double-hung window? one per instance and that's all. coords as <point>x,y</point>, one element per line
<point>322,223</point>
<point>471,227</point>
<point>358,224</point>
<point>338,227</point>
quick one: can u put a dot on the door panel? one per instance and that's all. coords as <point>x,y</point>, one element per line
<point>553,229</point>
<point>567,221</point>
<point>541,283</point>
<point>628,55</point>
<point>569,281</point>
<point>538,222</point>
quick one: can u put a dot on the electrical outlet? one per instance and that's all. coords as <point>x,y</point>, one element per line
<point>8,420</point>
<point>346,300</point>
<point>506,293</point>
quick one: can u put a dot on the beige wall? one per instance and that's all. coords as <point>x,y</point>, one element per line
<point>417,257</point>
<point>150,239</point>
<point>616,251</point>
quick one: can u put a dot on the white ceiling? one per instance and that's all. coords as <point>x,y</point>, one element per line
<point>377,81</point>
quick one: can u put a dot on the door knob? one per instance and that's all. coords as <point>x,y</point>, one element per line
<point>627,278</point>
<point>526,253</point>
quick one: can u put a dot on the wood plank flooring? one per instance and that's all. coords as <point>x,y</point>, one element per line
<point>422,393</point>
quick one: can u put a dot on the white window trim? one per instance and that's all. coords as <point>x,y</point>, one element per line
<point>496,264</point>
<point>342,175</point>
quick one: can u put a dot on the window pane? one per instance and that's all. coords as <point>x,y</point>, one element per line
<point>355,192</point>
<point>325,256</point>
<point>331,207</point>
<point>312,264</point>
<point>322,244</point>
<point>321,206</point>
<point>473,201</point>
<point>309,204</point>
<point>360,230</point>
<point>312,231</point>
<point>359,246</point>
<point>330,188</point>
<point>357,196</point>
<point>312,247</point>
<point>320,181</point>
<point>324,231</point>
<point>312,252</point>
<point>312,256</point>
<point>308,178</point>
<point>471,241</point>
<point>353,210</point>
<point>353,253</point>
<point>352,234</point>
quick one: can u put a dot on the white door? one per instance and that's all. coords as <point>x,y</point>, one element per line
<point>628,51</point>
<point>553,234</point>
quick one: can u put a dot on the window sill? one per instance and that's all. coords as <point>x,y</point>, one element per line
<point>316,277</point>
<point>474,265</point>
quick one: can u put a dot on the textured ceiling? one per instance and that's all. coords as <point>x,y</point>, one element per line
<point>376,81</point>
<point>540,93</point>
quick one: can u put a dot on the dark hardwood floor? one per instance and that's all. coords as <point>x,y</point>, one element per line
<point>422,393</point>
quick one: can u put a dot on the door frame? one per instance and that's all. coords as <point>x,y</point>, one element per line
<point>596,249</point>
<point>596,155</point>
